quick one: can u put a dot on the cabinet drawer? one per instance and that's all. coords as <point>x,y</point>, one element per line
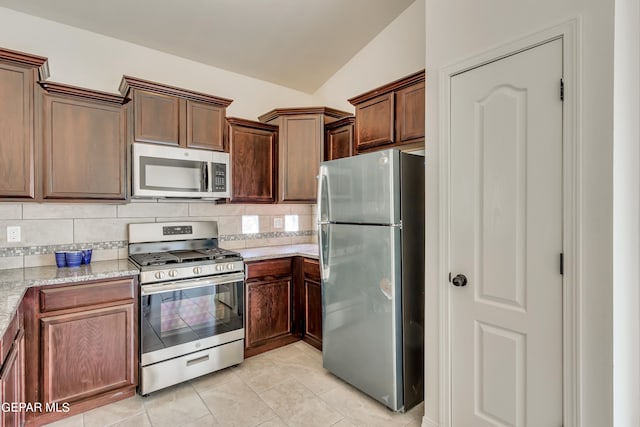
<point>86,294</point>
<point>311,268</point>
<point>276,267</point>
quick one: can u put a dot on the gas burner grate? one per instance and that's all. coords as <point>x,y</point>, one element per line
<point>160,258</point>
<point>216,253</point>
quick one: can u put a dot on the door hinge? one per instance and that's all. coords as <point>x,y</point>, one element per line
<point>562,263</point>
<point>561,89</point>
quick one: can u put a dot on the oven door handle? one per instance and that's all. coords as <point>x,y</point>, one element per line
<point>190,284</point>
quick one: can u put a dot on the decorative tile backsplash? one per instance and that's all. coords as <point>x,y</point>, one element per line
<point>47,228</point>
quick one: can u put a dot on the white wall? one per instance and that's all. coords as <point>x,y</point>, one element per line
<point>395,52</point>
<point>626,206</point>
<point>459,29</point>
<point>94,61</point>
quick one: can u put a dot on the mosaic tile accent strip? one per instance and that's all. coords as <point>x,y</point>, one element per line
<point>49,249</point>
<point>120,244</point>
<point>266,235</point>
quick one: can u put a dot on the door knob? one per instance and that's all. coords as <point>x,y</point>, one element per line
<point>459,280</point>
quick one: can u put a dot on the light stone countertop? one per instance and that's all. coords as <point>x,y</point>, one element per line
<point>309,250</point>
<point>15,282</point>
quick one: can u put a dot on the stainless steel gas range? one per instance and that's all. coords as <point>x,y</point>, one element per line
<point>191,302</point>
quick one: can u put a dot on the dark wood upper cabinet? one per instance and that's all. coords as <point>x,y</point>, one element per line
<point>163,114</point>
<point>253,157</point>
<point>374,122</point>
<point>338,139</point>
<point>83,144</point>
<point>300,149</point>
<point>391,115</point>
<point>156,118</point>
<point>205,126</point>
<point>18,74</point>
<point>410,110</point>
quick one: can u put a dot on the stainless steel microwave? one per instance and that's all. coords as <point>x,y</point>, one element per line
<point>160,171</point>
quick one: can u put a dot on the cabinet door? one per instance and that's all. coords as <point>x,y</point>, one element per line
<point>410,111</point>
<point>312,303</point>
<point>268,310</point>
<point>12,383</point>
<point>375,122</point>
<point>339,142</point>
<point>300,156</point>
<point>16,132</point>
<point>84,149</point>
<point>87,353</point>
<point>157,118</point>
<point>253,157</point>
<point>205,126</point>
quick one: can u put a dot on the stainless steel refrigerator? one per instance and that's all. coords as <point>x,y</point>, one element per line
<point>371,237</point>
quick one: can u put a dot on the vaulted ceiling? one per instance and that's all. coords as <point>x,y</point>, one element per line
<point>294,43</point>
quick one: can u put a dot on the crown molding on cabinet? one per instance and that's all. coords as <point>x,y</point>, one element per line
<point>327,111</point>
<point>409,80</point>
<point>95,95</point>
<point>129,83</point>
<point>25,59</point>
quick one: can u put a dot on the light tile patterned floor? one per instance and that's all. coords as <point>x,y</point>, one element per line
<point>283,387</point>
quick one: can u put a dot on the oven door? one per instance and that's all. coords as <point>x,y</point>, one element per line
<point>178,318</point>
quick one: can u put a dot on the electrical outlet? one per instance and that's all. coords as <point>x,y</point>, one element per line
<point>13,234</point>
<point>278,222</point>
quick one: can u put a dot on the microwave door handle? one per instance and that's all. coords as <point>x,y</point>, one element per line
<point>204,183</point>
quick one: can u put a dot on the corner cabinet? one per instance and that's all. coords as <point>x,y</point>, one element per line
<point>168,115</point>
<point>269,305</point>
<point>338,140</point>
<point>392,115</point>
<point>18,74</point>
<point>300,149</point>
<point>83,144</point>
<point>82,345</point>
<point>284,304</point>
<point>253,155</point>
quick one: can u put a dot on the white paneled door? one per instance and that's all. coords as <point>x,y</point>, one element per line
<point>506,240</point>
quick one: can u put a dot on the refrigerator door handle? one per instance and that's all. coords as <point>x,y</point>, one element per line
<point>323,201</point>
<point>324,241</point>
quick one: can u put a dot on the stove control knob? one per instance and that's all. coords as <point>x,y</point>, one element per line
<point>230,266</point>
<point>159,275</point>
<point>219,267</point>
<point>197,270</point>
<point>173,273</point>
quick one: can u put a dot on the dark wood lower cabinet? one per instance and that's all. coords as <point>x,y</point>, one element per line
<point>312,303</point>
<point>284,304</point>
<point>87,353</point>
<point>81,347</point>
<point>12,384</point>
<point>269,302</point>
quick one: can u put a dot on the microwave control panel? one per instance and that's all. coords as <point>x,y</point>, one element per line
<point>219,177</point>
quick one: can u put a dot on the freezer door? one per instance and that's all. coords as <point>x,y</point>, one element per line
<point>362,335</point>
<point>363,189</point>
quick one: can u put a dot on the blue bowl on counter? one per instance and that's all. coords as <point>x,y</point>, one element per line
<point>61,260</point>
<point>73,258</point>
<point>86,256</point>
